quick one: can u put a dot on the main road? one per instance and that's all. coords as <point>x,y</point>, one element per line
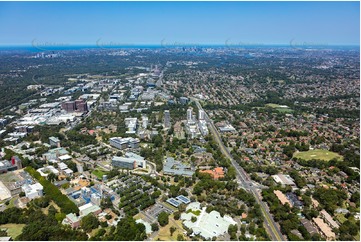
<point>245,181</point>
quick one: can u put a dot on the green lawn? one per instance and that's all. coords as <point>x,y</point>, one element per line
<point>99,173</point>
<point>272,105</point>
<point>318,155</point>
<point>11,202</point>
<point>13,230</point>
<point>340,217</point>
<point>195,212</point>
<point>280,108</point>
<point>284,110</point>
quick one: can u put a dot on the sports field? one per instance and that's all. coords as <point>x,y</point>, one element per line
<point>13,230</point>
<point>280,108</point>
<point>317,155</point>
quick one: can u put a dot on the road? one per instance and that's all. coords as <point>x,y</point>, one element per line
<point>244,181</point>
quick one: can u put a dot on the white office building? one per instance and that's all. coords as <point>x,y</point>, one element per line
<point>201,115</point>
<point>190,115</point>
<point>33,191</point>
<point>166,119</point>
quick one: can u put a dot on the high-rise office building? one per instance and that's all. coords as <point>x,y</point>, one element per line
<point>189,115</point>
<point>68,106</point>
<point>81,106</point>
<point>166,119</point>
<point>201,115</point>
<point>75,106</point>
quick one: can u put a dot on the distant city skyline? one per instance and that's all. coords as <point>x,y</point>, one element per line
<point>107,24</point>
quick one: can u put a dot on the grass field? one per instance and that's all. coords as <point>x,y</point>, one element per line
<point>164,232</point>
<point>340,217</point>
<point>280,108</point>
<point>195,212</point>
<point>52,203</point>
<point>99,173</point>
<point>13,230</point>
<point>318,155</point>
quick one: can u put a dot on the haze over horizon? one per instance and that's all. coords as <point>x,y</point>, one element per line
<point>179,23</point>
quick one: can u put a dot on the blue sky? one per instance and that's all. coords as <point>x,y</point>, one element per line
<point>137,23</point>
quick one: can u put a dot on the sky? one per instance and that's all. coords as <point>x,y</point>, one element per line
<point>179,23</point>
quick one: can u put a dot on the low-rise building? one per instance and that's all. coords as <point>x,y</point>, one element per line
<point>54,141</point>
<point>309,226</point>
<point>33,191</point>
<point>324,228</point>
<point>283,179</point>
<point>216,173</point>
<point>173,167</point>
<point>72,220</point>
<point>328,219</point>
<point>283,199</point>
<point>89,208</point>
<point>123,143</point>
<point>130,161</point>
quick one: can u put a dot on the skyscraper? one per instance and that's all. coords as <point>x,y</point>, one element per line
<point>189,115</point>
<point>201,114</point>
<point>166,119</point>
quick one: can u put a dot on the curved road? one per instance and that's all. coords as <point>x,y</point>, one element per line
<point>245,182</point>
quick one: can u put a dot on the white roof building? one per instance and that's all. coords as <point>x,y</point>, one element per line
<point>62,166</point>
<point>208,225</point>
<point>45,171</point>
<point>33,191</point>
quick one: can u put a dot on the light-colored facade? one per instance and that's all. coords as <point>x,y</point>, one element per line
<point>33,191</point>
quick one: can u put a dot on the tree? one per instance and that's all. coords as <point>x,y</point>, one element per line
<point>180,237</point>
<point>106,203</point>
<point>193,219</point>
<point>182,208</point>
<point>172,230</point>
<point>176,215</point>
<point>163,219</point>
<point>89,222</point>
<point>52,177</point>
<point>155,227</point>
